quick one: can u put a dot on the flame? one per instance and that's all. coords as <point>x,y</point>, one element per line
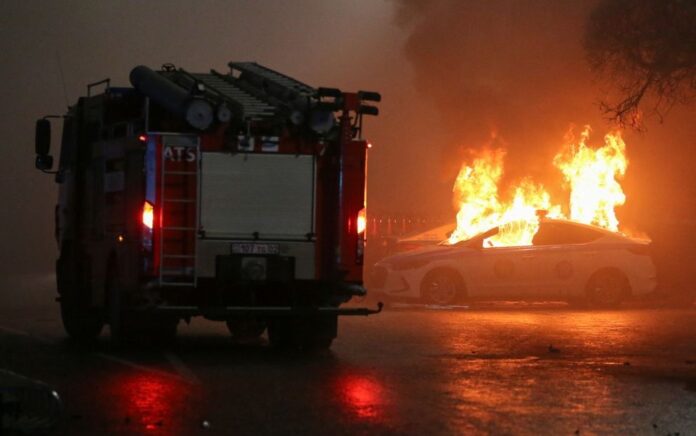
<point>476,187</point>
<point>480,207</point>
<point>591,175</point>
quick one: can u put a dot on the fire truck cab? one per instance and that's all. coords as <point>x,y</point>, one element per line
<point>237,196</point>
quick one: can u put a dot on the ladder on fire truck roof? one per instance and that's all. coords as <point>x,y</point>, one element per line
<point>243,103</point>
<point>179,205</point>
<point>254,69</point>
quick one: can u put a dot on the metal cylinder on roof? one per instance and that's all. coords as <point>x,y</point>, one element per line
<point>198,112</point>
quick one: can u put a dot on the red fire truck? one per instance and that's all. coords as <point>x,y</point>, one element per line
<point>236,196</point>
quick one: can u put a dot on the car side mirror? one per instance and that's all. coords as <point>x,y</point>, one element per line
<point>42,142</point>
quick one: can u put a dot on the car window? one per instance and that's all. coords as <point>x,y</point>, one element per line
<point>561,233</point>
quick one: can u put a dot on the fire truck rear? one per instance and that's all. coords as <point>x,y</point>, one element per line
<point>236,196</point>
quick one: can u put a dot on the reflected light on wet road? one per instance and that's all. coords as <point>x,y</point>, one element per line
<point>149,401</point>
<point>503,364</point>
<point>363,395</point>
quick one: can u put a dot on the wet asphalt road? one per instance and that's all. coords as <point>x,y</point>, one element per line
<point>501,369</point>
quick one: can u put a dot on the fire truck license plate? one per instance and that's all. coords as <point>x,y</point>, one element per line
<point>254,248</point>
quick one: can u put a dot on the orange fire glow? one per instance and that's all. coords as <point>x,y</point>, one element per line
<point>591,174</point>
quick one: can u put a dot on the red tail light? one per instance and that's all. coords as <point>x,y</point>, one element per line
<point>148,215</point>
<point>148,219</point>
<point>361,221</point>
<point>361,226</point>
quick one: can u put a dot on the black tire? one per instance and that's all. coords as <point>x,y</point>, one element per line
<point>280,335</point>
<point>441,287</point>
<point>81,322</point>
<point>318,343</point>
<point>127,326</point>
<point>245,329</point>
<point>157,329</point>
<point>607,289</point>
<point>115,310</point>
<point>305,334</point>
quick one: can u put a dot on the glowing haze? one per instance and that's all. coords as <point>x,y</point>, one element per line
<point>592,176</point>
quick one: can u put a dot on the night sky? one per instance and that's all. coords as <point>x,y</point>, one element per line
<point>450,73</point>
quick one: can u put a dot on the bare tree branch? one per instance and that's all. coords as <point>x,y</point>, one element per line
<point>646,51</point>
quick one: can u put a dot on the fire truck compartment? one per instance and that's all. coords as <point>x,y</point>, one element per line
<point>257,196</point>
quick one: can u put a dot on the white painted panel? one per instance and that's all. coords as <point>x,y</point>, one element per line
<point>271,194</point>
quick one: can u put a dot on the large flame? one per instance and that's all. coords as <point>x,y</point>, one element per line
<point>591,175</point>
<point>476,189</point>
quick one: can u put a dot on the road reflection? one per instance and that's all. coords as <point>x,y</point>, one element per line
<point>148,402</point>
<point>363,395</point>
<point>529,364</point>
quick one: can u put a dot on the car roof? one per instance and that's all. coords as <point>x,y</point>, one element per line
<point>577,224</point>
<point>606,232</point>
<point>442,233</point>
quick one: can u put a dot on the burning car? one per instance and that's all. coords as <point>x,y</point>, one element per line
<point>566,260</point>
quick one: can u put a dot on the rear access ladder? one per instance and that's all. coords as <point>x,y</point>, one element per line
<point>179,205</point>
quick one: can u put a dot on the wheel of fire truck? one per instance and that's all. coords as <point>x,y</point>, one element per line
<point>81,321</point>
<point>306,333</point>
<point>127,325</point>
<point>607,288</point>
<point>442,287</point>
<point>116,315</point>
<point>245,329</point>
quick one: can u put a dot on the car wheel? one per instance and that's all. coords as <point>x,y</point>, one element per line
<point>607,289</point>
<point>441,287</point>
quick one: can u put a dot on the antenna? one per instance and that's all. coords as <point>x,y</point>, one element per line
<point>62,79</point>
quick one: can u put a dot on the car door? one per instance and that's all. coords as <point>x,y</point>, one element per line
<point>497,272</point>
<point>563,249</point>
<point>548,268</point>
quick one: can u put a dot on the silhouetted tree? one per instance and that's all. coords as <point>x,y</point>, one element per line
<point>647,51</point>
